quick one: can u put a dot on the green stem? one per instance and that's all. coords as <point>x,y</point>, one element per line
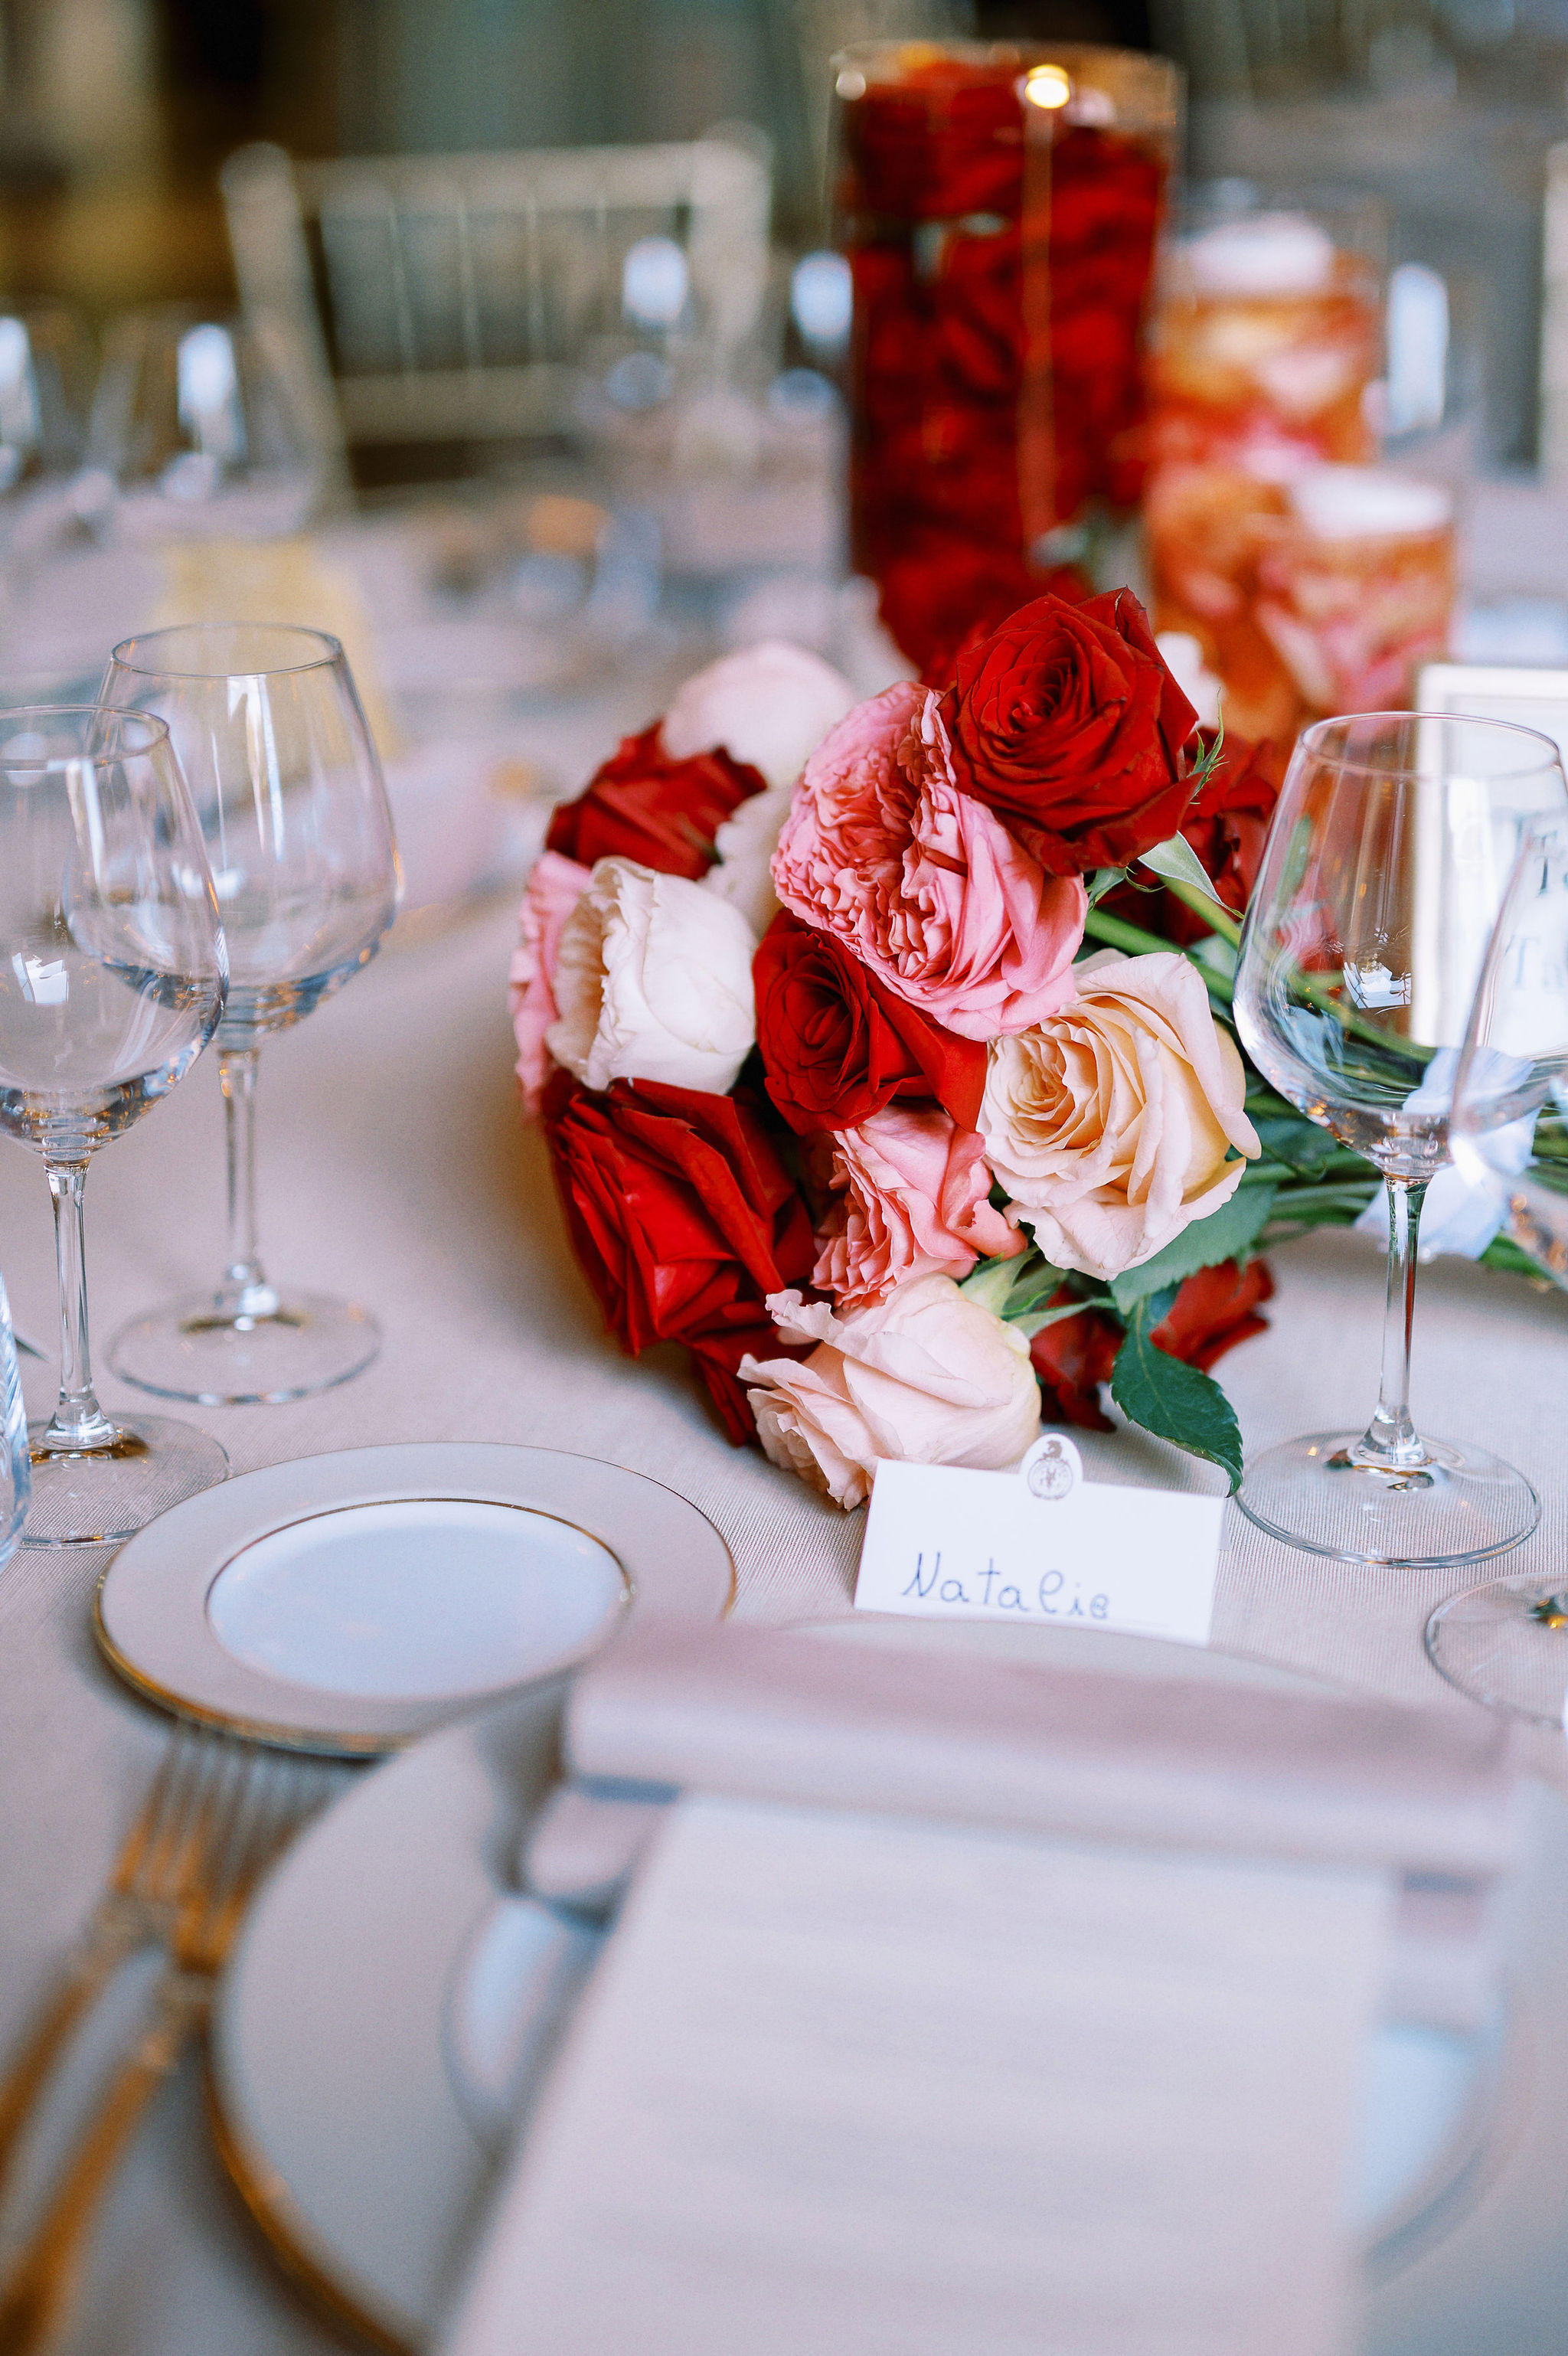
<point>1217,919</point>
<point>1117,934</point>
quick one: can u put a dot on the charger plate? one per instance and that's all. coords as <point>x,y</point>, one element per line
<point>365,2136</point>
<point>344,1604</point>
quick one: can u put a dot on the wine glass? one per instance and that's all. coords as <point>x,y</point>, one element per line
<point>1386,862</point>
<point>288,791</point>
<point>16,1461</point>
<point>111,981</point>
<point>1506,1644</point>
<point>202,427</point>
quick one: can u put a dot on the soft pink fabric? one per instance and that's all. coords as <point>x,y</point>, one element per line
<point>911,1200</point>
<point>920,881</point>
<point>554,888</point>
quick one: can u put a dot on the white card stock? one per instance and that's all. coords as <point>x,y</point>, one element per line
<point>1040,1546</point>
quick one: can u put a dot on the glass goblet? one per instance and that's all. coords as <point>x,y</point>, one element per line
<point>288,791</point>
<point>1506,1643</point>
<point>1388,857</point>
<point>112,982</point>
<point>15,1460</point>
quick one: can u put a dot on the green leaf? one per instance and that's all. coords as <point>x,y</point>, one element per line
<point>1103,880</point>
<point>1225,1234</point>
<point>1179,864</point>
<point>1174,1402</point>
<point>1033,1321</point>
<point>989,1281</point>
<point>1287,1137</point>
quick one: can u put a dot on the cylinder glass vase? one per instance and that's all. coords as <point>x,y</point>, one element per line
<point>999,205</point>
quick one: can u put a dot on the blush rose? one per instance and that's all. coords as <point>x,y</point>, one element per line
<point>1112,1125</point>
<point>926,1376</point>
<point>554,888</point>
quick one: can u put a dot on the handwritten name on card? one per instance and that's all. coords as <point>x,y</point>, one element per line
<point>1039,1547</point>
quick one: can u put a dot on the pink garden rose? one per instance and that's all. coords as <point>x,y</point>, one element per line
<point>914,1199</point>
<point>553,890</point>
<point>920,881</point>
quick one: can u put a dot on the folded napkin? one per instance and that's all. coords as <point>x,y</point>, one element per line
<point>1147,1761</point>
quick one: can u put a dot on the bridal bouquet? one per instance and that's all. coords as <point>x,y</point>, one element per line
<point>883,1051</point>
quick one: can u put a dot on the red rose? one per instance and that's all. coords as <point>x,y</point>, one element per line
<point>1215,1309</point>
<point>1066,723</point>
<point>1072,1358</point>
<point>641,805</point>
<point>836,1047</point>
<point>945,593</point>
<point>683,1218</point>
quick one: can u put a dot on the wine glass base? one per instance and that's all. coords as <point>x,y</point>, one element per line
<point>191,1350</point>
<point>1463,1505</point>
<point>98,1496</point>
<point>1506,1645</point>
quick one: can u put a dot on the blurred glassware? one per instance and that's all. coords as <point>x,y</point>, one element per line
<point>16,1461</point>
<point>1389,854</point>
<point>1267,332</point>
<point>112,982</point>
<point>47,364</point>
<point>1319,595</point>
<point>1506,1643</point>
<point>199,431</point>
<point>288,791</point>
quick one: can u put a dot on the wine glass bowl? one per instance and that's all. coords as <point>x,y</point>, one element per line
<point>112,974</point>
<point>288,791</point>
<point>1388,857</point>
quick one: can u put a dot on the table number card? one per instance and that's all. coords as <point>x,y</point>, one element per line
<point>1039,1547</point>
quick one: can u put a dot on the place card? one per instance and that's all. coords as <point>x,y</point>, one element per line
<point>1041,1547</point>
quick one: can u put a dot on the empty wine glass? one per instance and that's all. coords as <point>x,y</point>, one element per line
<point>288,791</point>
<point>1387,860</point>
<point>111,981</point>
<point>1506,1644</point>
<point>15,1463</point>
<point>203,427</point>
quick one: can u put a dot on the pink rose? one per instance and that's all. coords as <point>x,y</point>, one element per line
<point>926,1377</point>
<point>553,890</point>
<point>913,1200</point>
<point>920,881</point>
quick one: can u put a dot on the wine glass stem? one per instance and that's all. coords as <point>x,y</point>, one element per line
<point>78,1421</point>
<point>244,1291</point>
<point>1390,1438</point>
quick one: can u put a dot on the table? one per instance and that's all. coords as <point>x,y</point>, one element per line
<point>393,1166</point>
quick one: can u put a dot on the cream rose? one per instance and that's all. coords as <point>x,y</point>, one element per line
<point>926,1376</point>
<point>1109,1123</point>
<point>653,981</point>
<point>770,704</point>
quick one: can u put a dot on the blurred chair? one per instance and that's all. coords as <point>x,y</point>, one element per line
<point>471,297</point>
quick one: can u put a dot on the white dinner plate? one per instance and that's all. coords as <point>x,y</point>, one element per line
<point>345,1603</point>
<point>364,2136</point>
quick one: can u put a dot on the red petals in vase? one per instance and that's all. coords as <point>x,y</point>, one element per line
<point>683,1218</point>
<point>641,805</point>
